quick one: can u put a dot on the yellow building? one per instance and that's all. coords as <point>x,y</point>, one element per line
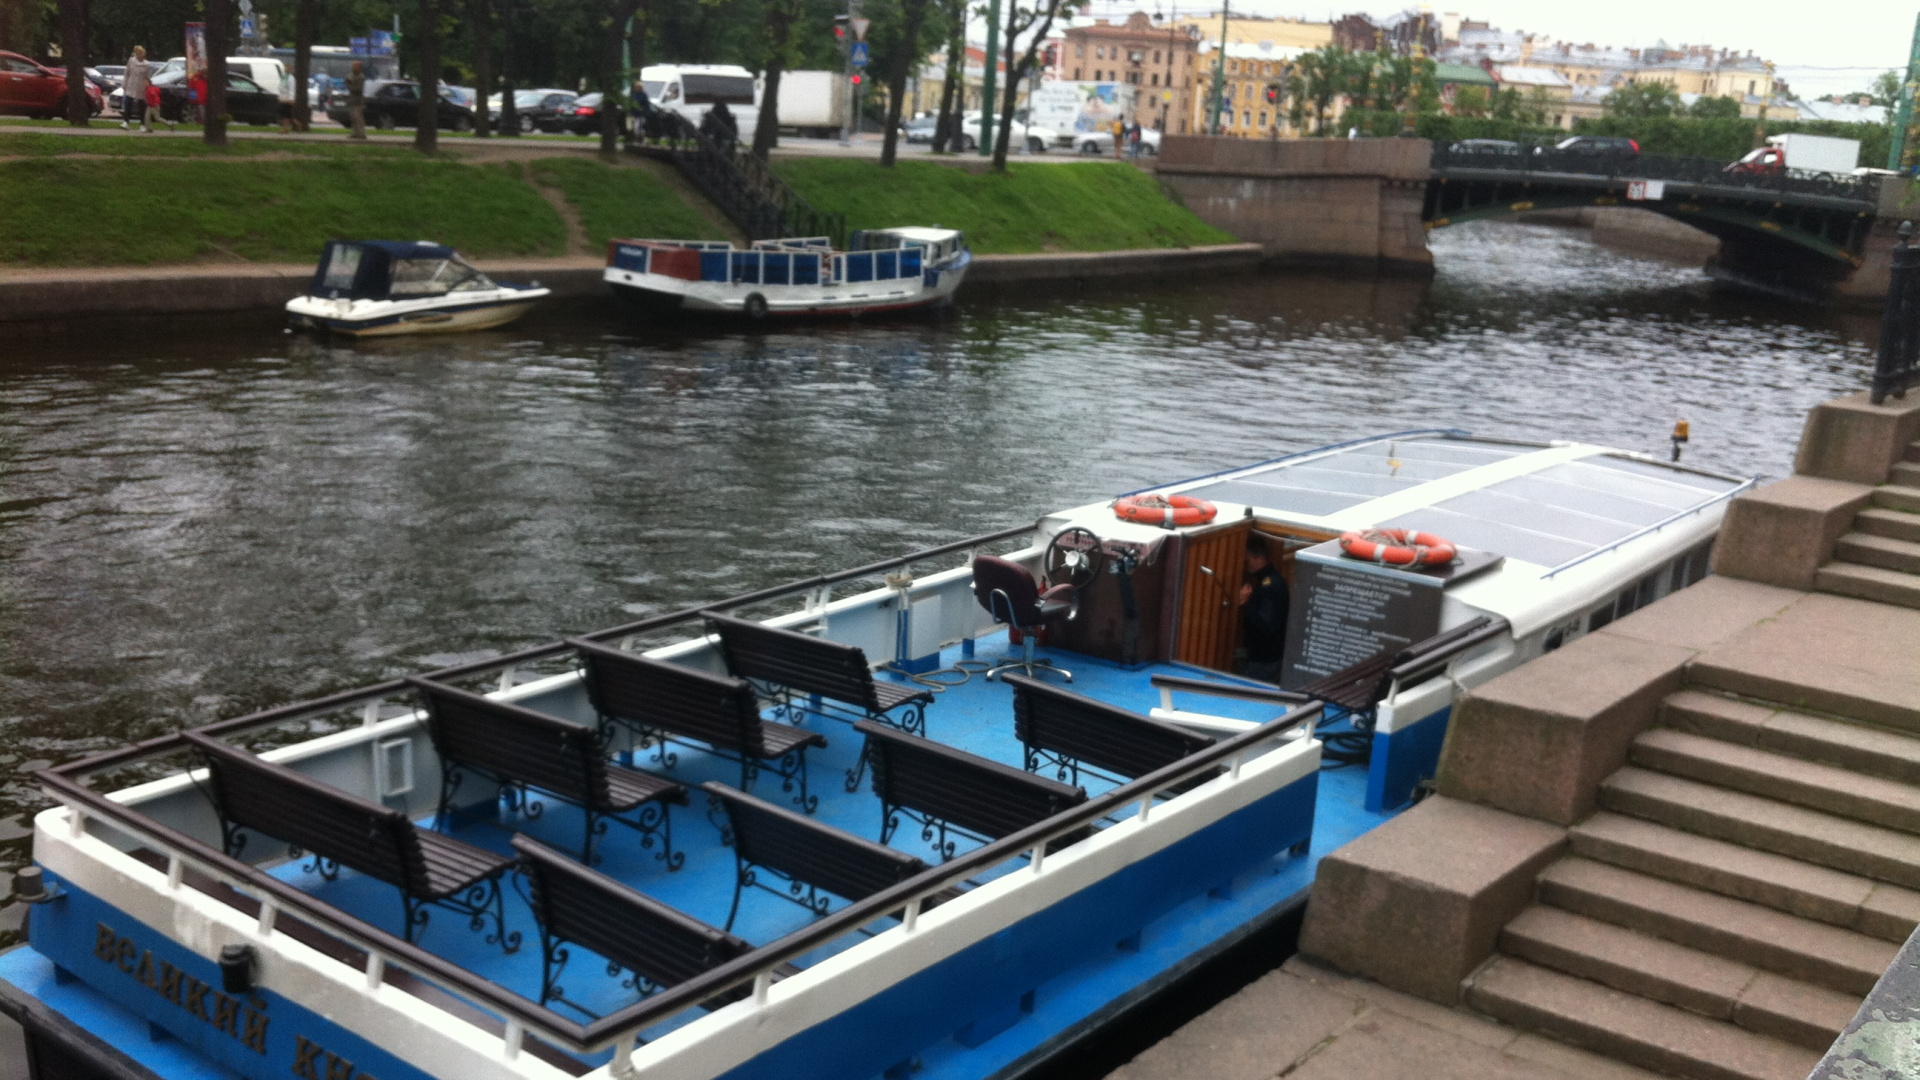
<point>1157,58</point>
<point>1251,72</point>
<point>1277,33</point>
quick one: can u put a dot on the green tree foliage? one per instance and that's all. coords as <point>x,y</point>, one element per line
<point>1728,140</point>
<point>1886,89</point>
<point>1642,99</point>
<point>1473,101</point>
<point>1714,108</point>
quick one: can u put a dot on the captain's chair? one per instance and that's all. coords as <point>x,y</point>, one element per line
<point>1011,596</point>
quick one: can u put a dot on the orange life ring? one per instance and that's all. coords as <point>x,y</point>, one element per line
<point>1166,510</point>
<point>1398,547</point>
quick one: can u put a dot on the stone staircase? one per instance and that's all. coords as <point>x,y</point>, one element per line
<point>1750,874</point>
<point>1880,559</point>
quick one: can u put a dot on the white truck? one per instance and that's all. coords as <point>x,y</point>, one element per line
<point>813,103</point>
<point>1082,112</point>
<point>1807,153</point>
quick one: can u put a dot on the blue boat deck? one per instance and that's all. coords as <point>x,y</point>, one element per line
<point>976,716</point>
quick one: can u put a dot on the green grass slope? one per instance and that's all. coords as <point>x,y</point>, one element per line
<point>1084,206</point>
<point>613,201</point>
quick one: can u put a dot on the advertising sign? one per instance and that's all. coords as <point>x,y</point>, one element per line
<point>1646,190</point>
<point>1082,106</point>
<point>196,48</point>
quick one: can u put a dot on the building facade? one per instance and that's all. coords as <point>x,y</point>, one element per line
<point>1159,58</point>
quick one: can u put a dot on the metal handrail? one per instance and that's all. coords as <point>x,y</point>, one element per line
<point>1897,367</point>
<point>1442,650</point>
<point>905,897</point>
<point>1653,528</point>
<point>1453,433</point>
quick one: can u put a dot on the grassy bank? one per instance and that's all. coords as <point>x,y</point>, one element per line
<point>612,202</point>
<point>1066,207</point>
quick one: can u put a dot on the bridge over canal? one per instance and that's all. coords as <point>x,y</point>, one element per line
<point>1361,202</point>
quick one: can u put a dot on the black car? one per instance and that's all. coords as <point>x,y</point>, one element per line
<point>393,103</point>
<point>539,110</point>
<point>1599,144</point>
<point>247,103</point>
<point>582,115</point>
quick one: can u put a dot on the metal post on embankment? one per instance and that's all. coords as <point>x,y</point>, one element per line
<point>1899,363</point>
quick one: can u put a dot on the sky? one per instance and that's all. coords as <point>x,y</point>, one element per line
<point>1818,49</point>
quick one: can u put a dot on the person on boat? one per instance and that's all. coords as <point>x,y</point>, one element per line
<point>1263,613</point>
<point>357,101</point>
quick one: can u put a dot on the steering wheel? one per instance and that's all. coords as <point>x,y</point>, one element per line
<point>1074,557</point>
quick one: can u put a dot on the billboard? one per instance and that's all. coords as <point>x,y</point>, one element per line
<point>1082,106</point>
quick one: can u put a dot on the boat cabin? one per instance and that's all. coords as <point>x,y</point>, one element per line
<point>393,270</point>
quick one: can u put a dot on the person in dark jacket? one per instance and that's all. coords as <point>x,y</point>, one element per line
<point>1263,613</point>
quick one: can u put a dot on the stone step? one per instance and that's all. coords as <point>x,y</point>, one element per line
<point>1849,744</point>
<point>1630,1028</point>
<point>1765,824</point>
<point>1874,908</point>
<point>1883,522</point>
<point>1905,474</point>
<point>1897,497</point>
<point>1837,791</point>
<point>1770,940</point>
<point>1713,986</point>
<point>1869,583</point>
<point>1882,551</point>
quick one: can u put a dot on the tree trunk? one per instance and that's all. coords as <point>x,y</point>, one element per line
<point>1044,19</point>
<point>766,129</point>
<point>426,121</point>
<point>74,20</point>
<point>509,116</point>
<point>482,18</point>
<point>611,76</point>
<point>943,127</point>
<point>909,49</point>
<point>1011,95</point>
<point>219,18</point>
<point>304,18</point>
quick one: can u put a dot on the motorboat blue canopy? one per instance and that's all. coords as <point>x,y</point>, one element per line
<point>392,269</point>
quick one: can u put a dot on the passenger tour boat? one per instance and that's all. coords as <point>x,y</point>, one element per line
<point>944,814</point>
<point>882,270</point>
<point>377,288</point>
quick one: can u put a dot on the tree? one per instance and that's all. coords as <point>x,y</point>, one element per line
<point>1638,100</point>
<point>1886,89</point>
<point>1038,19</point>
<point>73,52</point>
<point>219,44</point>
<point>305,20</point>
<point>618,13</point>
<point>1715,108</point>
<point>946,130</point>
<point>1506,103</point>
<point>781,15</point>
<point>1471,101</point>
<point>480,22</point>
<point>426,125</point>
<point>906,53</point>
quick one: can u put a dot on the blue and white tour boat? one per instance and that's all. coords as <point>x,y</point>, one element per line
<point>378,288</point>
<point>882,270</point>
<point>940,815</point>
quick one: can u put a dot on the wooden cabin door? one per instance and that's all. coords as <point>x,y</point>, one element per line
<point>1216,564</point>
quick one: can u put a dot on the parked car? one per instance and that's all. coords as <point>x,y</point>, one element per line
<point>534,110</point>
<point>247,101</point>
<point>582,115</point>
<point>920,129</point>
<point>113,73</point>
<point>1101,142</point>
<point>392,103</point>
<point>1505,147</point>
<point>1599,144</point>
<point>31,89</point>
<point>1034,138</point>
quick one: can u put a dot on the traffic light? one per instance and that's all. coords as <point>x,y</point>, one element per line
<point>1273,93</point>
<point>840,28</point>
<point>856,78</point>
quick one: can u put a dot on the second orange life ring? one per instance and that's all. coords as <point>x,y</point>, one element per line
<point>1398,547</point>
<point>1173,511</point>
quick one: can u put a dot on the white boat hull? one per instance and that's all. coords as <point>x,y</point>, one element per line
<point>436,315</point>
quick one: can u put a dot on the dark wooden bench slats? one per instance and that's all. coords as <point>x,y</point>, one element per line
<point>520,746</point>
<point>803,850</point>
<point>660,699</point>
<point>809,665</point>
<point>349,831</point>
<point>1068,725</point>
<point>949,786</point>
<point>577,905</point>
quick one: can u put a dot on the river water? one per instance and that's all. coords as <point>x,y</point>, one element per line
<point>193,527</point>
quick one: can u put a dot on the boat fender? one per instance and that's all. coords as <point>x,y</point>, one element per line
<point>756,306</point>
<point>1398,547</point>
<point>1166,511</point>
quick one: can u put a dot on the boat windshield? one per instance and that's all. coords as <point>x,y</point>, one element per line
<point>436,277</point>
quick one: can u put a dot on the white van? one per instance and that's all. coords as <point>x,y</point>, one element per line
<point>692,90</point>
<point>267,72</point>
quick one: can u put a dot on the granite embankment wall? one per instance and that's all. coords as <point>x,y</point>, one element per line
<point>65,294</point>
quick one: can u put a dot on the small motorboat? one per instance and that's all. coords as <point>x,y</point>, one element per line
<point>372,288</point>
<point>882,270</point>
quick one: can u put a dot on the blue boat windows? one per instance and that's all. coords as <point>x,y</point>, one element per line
<point>776,269</point>
<point>714,266</point>
<point>860,266</point>
<point>746,267</point>
<point>806,270</point>
<point>886,264</point>
<point>910,262</point>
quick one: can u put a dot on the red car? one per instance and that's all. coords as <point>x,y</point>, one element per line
<point>35,90</point>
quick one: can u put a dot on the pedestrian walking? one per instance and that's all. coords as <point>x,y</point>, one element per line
<point>1133,141</point>
<point>133,90</point>
<point>154,114</point>
<point>357,101</point>
<point>1119,138</point>
<point>197,93</point>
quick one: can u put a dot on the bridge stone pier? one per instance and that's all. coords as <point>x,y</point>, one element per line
<point>1341,203</point>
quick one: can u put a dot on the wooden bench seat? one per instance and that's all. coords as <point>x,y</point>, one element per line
<point>835,679</point>
<point>806,854</point>
<point>946,789</point>
<point>1070,731</point>
<point>521,749</point>
<point>576,905</point>
<point>339,829</point>
<point>663,702</point>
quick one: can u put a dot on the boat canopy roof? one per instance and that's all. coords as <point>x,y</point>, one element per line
<point>392,270</point>
<point>1546,504</point>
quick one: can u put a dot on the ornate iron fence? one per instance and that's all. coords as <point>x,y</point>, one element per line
<point>743,187</point>
<point>1527,158</point>
<point>1899,364</point>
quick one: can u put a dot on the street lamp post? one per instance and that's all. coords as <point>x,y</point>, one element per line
<point>987,84</point>
<point>1220,72</point>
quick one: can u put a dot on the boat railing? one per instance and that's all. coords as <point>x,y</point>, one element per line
<point>184,852</point>
<point>1691,511</point>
